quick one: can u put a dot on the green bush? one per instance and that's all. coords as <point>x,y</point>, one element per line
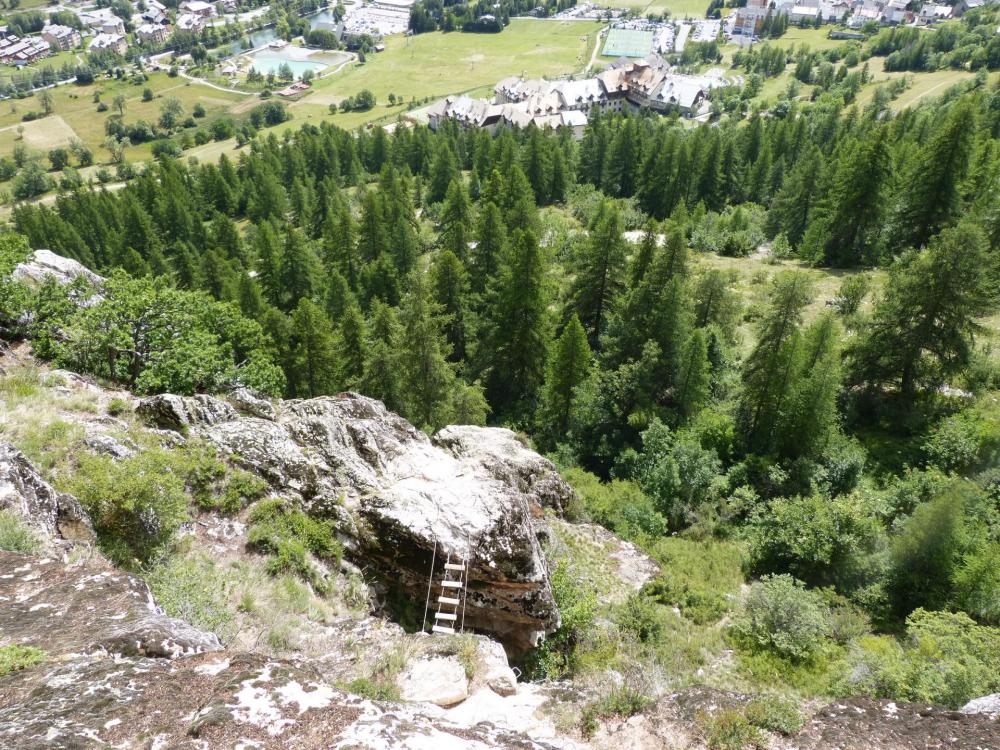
<point>136,504</point>
<point>289,536</point>
<point>375,690</point>
<point>242,488</point>
<point>945,658</point>
<point>782,616</point>
<point>15,536</point>
<point>729,729</point>
<point>639,617</point>
<point>556,657</point>
<point>195,591</point>
<point>700,578</point>
<point>966,441</point>
<point>774,715</point>
<point>622,701</point>
<point>15,658</point>
<point>618,505</point>
<point>977,584</point>
<point>820,541</point>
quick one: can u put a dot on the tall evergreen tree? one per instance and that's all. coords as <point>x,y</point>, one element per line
<point>514,355</point>
<point>923,326</point>
<point>600,272</point>
<point>313,352</point>
<point>569,363</point>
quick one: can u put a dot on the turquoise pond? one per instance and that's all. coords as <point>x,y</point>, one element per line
<point>270,61</point>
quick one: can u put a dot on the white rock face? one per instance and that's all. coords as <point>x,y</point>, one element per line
<point>401,498</point>
<point>440,680</point>
<point>54,515</point>
<point>43,264</point>
<point>988,705</point>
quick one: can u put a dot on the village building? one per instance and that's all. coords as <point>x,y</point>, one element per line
<point>102,21</point>
<point>61,37</point>
<point>152,33</point>
<point>114,42</point>
<point>16,50</point>
<point>624,85</point>
<point>190,22</point>
<point>197,8</point>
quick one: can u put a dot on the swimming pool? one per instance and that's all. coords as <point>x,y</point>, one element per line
<point>270,61</point>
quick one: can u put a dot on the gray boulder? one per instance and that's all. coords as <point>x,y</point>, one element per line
<point>403,499</point>
<point>54,515</point>
<point>45,264</point>
<point>988,705</point>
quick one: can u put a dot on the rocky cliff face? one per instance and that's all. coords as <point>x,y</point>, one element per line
<point>400,498</point>
<point>55,516</point>
<point>117,672</point>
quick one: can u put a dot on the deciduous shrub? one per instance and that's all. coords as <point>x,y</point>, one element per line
<point>15,536</point>
<point>782,616</point>
<point>289,536</point>
<point>700,578</point>
<point>945,658</point>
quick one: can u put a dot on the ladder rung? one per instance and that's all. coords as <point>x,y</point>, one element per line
<point>448,600</point>
<point>445,616</point>
<point>443,629</point>
<point>454,566</point>
<point>452,584</point>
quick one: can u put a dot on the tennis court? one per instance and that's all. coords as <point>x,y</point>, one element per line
<point>628,43</point>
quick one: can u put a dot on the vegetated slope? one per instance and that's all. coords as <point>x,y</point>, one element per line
<point>834,452</point>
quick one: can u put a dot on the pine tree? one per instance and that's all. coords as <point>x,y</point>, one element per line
<point>715,303</point>
<point>352,347</point>
<point>769,370</point>
<point>456,220</point>
<point>568,366</point>
<point>538,165</point>
<point>514,356</point>
<point>427,377</point>
<point>491,236</point>
<point>450,284</point>
<point>267,248</point>
<point>373,238</point>
<point>847,225</point>
<point>792,205</point>
<point>298,269</point>
<point>810,417</point>
<point>443,171</point>
<point>693,375</point>
<point>559,179</point>
<point>600,272</point>
<point>313,352</point>
<point>381,377</point>
<point>923,327</point>
<point>932,198</point>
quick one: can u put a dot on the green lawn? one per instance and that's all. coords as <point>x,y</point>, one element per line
<point>676,8</point>
<point>75,112</point>
<point>817,39</point>
<point>429,66</point>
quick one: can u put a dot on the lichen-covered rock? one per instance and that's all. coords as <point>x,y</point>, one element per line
<point>55,515</point>
<point>248,402</point>
<point>171,412</point>
<point>507,459</point>
<point>440,680</point>
<point>988,705</point>
<point>108,445</point>
<point>403,499</point>
<point>45,264</point>
<point>90,605</point>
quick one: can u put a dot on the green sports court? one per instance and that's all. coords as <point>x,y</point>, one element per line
<point>628,43</point>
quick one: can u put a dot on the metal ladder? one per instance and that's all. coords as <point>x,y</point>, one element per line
<point>450,615</point>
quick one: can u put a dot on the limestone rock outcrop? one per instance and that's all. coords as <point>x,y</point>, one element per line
<point>400,497</point>
<point>54,516</point>
<point>45,264</point>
